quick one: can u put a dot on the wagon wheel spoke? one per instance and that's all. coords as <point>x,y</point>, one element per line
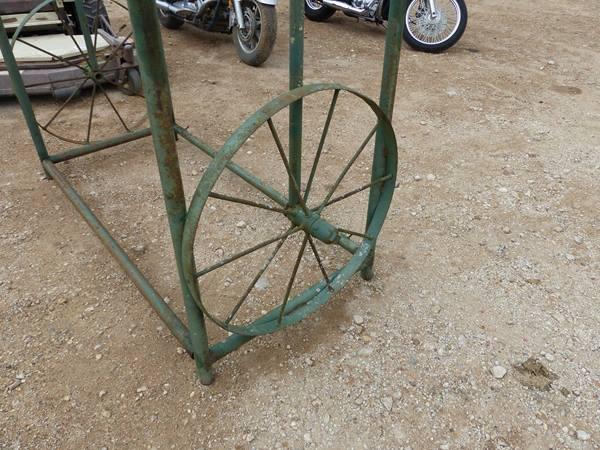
<point>236,256</point>
<point>52,55</point>
<point>243,201</point>
<point>293,181</point>
<point>315,163</point>
<point>356,191</point>
<point>319,261</point>
<point>354,233</point>
<point>255,279</point>
<point>113,53</point>
<point>292,279</point>
<point>66,102</point>
<point>45,83</point>
<point>347,168</point>
<point>116,111</point>
<point>89,128</point>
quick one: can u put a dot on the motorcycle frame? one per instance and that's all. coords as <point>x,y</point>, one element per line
<point>164,132</point>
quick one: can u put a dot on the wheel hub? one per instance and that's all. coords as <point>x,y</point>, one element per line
<point>430,24</point>
<point>250,25</point>
<point>313,224</point>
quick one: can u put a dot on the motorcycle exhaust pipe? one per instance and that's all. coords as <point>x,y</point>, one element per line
<point>344,7</point>
<point>170,7</point>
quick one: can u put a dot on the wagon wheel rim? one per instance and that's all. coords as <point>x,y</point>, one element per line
<point>95,70</point>
<point>292,309</point>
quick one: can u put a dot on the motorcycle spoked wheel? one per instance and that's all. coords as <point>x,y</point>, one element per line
<point>435,34</point>
<point>255,42</point>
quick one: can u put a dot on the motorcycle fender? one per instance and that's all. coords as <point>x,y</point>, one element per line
<point>268,2</point>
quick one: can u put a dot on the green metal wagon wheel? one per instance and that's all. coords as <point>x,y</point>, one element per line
<point>86,108</point>
<point>305,224</point>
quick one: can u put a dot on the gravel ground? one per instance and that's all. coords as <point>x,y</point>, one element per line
<point>479,331</point>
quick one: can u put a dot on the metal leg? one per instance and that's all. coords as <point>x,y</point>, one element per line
<point>21,94</point>
<point>391,61</point>
<point>160,114</point>
<point>296,80</point>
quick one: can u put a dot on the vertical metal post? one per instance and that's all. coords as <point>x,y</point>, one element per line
<point>85,30</point>
<point>296,80</point>
<point>387,96</point>
<point>153,68</point>
<point>21,94</point>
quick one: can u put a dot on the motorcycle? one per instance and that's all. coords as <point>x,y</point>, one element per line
<point>431,26</point>
<point>253,23</point>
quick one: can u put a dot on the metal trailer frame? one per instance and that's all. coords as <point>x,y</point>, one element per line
<point>183,220</point>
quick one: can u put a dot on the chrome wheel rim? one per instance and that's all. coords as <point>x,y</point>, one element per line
<point>249,37</point>
<point>430,30</point>
<point>313,5</point>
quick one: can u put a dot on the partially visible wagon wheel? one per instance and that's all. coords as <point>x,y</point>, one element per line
<point>284,246</point>
<point>88,69</point>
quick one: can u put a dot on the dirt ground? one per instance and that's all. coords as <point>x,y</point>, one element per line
<point>479,331</point>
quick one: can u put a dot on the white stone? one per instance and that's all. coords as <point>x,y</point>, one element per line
<point>358,320</point>
<point>583,435</point>
<point>430,177</point>
<point>240,224</point>
<point>387,402</point>
<point>498,372</point>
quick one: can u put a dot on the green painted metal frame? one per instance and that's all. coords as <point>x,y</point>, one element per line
<point>164,132</point>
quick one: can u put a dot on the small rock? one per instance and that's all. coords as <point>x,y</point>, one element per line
<point>101,394</point>
<point>582,435</point>
<point>549,356</point>
<point>141,389</point>
<point>388,403</point>
<point>194,173</point>
<point>578,240</point>
<point>106,413</point>
<point>417,178</point>
<point>139,249</point>
<point>307,438</point>
<point>498,372</point>
<point>558,229</point>
<point>358,320</point>
<point>241,224</point>
<point>506,230</point>
<point>98,356</point>
<point>445,447</point>
<point>423,122</point>
<point>262,284</point>
<point>249,437</point>
<point>430,177</point>
<point>551,62</point>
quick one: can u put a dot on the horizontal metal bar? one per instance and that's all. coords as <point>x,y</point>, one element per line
<point>238,170</point>
<point>100,145</point>
<point>167,315</point>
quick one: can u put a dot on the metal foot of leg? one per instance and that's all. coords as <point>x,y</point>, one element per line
<point>205,375</point>
<point>367,273</point>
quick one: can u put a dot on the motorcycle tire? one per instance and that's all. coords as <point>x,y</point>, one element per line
<point>91,7</point>
<point>316,12</point>
<point>418,43</point>
<point>169,21</point>
<point>250,52</point>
